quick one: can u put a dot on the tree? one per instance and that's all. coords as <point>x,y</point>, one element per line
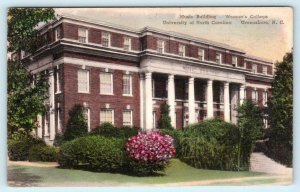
<point>280,145</point>
<point>250,124</point>
<point>22,27</point>
<point>165,120</point>
<point>25,99</point>
<point>77,125</point>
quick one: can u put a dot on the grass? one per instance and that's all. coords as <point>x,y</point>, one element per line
<point>176,172</point>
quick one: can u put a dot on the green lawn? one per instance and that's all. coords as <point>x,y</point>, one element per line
<point>176,172</point>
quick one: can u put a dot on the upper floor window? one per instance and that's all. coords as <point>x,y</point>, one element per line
<point>254,68</point>
<point>264,69</point>
<point>82,35</point>
<point>160,46</point>
<point>127,84</point>
<point>58,33</point>
<point>106,116</point>
<point>181,51</point>
<point>127,43</point>
<point>218,57</point>
<point>127,118</point>
<point>201,54</point>
<point>106,39</point>
<point>83,81</point>
<point>106,83</point>
<point>234,61</point>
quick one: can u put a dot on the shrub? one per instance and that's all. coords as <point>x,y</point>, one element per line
<point>59,139</point>
<point>250,124</point>
<point>149,153</point>
<point>77,125</point>
<point>96,153</point>
<point>19,145</point>
<point>165,120</point>
<point>108,130</point>
<point>43,153</point>
<point>212,144</point>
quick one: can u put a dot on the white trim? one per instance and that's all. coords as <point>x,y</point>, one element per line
<point>113,66</point>
<point>259,86</point>
<point>258,61</point>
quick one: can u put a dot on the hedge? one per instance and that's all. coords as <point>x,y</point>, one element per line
<point>43,153</point>
<point>212,144</point>
<point>95,153</point>
<point>19,145</point>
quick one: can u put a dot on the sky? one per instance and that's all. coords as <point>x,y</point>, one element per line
<point>270,40</point>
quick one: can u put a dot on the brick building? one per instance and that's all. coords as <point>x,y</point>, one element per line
<point>122,75</point>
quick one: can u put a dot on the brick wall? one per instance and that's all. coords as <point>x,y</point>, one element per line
<point>95,100</point>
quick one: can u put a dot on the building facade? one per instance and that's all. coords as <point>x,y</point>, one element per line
<point>122,76</point>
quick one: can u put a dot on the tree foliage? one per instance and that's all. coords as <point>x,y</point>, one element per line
<point>22,27</point>
<point>281,112</point>
<point>165,120</point>
<point>250,124</point>
<point>77,125</point>
<point>25,101</point>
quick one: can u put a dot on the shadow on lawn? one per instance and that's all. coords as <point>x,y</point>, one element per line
<point>18,177</point>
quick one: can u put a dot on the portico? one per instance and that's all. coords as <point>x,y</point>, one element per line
<point>194,93</point>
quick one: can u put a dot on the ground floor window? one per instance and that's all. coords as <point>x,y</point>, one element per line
<point>107,116</point>
<point>87,118</point>
<point>127,118</point>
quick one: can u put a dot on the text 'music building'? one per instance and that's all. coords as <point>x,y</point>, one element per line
<point>122,76</point>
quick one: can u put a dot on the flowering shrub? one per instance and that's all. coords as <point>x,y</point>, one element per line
<point>149,153</point>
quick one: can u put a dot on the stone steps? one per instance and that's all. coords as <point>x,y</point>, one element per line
<point>261,163</point>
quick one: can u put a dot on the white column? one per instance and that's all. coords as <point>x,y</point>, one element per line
<point>40,126</point>
<point>242,94</point>
<point>226,102</point>
<point>52,105</point>
<point>210,105</point>
<point>142,102</point>
<point>171,98</point>
<point>191,101</point>
<point>148,102</point>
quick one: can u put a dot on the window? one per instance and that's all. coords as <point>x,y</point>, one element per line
<point>254,96</point>
<point>106,83</point>
<point>87,115</point>
<point>127,43</point>
<point>57,81</point>
<point>127,118</point>
<point>83,81</point>
<point>181,50</point>
<point>160,46</point>
<point>58,34</point>
<point>265,98</point>
<point>106,39</point>
<point>234,61</point>
<point>201,54</point>
<point>264,69</point>
<point>266,121</point>
<point>254,68</point>
<point>107,116</point>
<point>127,84</point>
<point>82,35</point>
<point>218,57</point>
